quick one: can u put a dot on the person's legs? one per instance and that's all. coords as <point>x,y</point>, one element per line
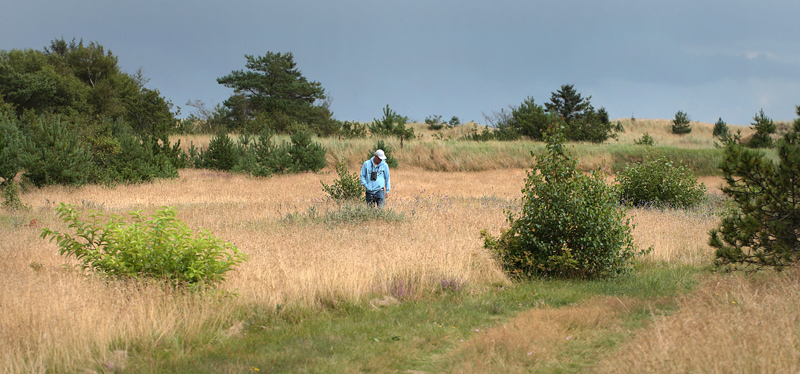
<point>376,198</point>
<point>370,197</point>
<point>380,198</point>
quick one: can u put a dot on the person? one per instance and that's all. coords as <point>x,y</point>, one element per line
<point>375,179</point>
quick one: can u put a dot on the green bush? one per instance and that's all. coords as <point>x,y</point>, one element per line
<point>646,139</point>
<point>347,187</point>
<point>10,144</point>
<point>135,162</point>
<point>387,151</point>
<point>569,225</point>
<point>305,154</point>
<point>162,248</point>
<point>53,153</point>
<point>222,153</point>
<point>660,183</point>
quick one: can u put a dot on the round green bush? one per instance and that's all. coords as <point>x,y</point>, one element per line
<point>660,183</point>
<point>570,224</point>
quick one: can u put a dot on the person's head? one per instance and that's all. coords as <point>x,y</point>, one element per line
<point>379,156</point>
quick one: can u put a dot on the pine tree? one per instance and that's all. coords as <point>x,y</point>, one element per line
<point>9,146</point>
<point>53,154</point>
<point>764,127</point>
<point>763,230</point>
<point>720,129</point>
<point>681,124</point>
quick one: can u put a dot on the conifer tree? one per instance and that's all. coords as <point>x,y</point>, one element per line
<point>764,127</point>
<point>681,124</point>
<point>53,154</point>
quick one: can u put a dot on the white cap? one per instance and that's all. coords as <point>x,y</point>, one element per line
<point>380,154</point>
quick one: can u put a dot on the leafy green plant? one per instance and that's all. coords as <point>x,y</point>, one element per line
<point>347,188</point>
<point>161,247</point>
<point>661,183</point>
<point>763,230</point>
<point>569,225</point>
<point>646,139</point>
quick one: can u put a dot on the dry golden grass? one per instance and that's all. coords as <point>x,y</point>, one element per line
<point>661,130</point>
<point>733,324</point>
<point>51,317</point>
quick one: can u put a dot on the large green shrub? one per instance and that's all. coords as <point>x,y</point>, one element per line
<point>764,230</point>
<point>661,183</point>
<point>306,155</point>
<point>222,153</point>
<point>162,247</point>
<point>53,153</point>
<point>136,162</point>
<point>569,225</point>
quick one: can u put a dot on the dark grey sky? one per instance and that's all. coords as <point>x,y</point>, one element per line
<point>643,58</point>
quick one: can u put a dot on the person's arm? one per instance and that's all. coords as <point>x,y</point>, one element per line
<point>363,175</point>
<point>388,185</point>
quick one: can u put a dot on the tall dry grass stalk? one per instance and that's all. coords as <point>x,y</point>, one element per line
<point>54,318</point>
<point>733,324</point>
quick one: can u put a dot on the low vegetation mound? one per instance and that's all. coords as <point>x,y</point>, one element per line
<point>659,182</point>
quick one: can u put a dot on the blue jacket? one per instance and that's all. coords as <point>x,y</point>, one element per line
<point>383,176</point>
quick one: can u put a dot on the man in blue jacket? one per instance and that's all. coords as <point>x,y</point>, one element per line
<point>375,179</point>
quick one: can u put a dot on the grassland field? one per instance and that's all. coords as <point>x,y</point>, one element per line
<point>340,289</point>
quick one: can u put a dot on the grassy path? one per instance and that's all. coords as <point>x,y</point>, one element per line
<point>546,325</point>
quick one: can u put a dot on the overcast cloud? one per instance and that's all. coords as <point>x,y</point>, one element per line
<point>648,59</point>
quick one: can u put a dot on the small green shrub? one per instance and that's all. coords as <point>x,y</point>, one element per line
<point>348,187</point>
<point>387,151</point>
<point>764,127</point>
<point>646,139</point>
<point>569,225</point>
<point>162,247</point>
<point>661,183</point>
<point>11,196</point>
<point>434,122</point>
<point>454,121</point>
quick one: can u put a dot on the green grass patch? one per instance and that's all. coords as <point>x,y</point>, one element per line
<point>416,334</point>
